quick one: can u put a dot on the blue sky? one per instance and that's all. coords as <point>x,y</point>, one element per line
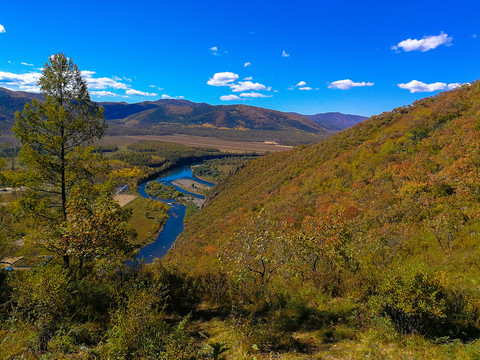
<point>358,57</point>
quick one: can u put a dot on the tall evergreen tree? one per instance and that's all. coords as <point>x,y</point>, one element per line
<point>56,131</point>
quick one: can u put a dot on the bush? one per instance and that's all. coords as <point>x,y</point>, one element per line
<point>182,291</point>
<point>256,335</point>
<point>138,329</point>
<point>419,301</point>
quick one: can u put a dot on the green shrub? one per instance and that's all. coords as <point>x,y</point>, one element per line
<point>420,301</point>
<point>182,292</point>
<point>257,335</point>
<point>138,328</point>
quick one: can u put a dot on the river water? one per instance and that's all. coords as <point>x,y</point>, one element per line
<point>174,225</point>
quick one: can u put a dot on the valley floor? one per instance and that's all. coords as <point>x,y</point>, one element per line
<point>223,145</point>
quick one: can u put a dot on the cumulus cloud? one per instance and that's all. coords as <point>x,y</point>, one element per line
<point>165,96</point>
<point>103,93</point>
<point>26,64</point>
<point>347,84</point>
<point>101,83</point>
<point>229,97</point>
<point>25,82</point>
<point>214,50</point>
<point>424,44</point>
<point>2,29</point>
<point>284,54</point>
<point>247,86</point>
<point>140,93</point>
<point>415,86</point>
<point>248,78</point>
<point>229,79</point>
<point>302,85</point>
<point>222,79</point>
<point>254,95</point>
<point>247,64</point>
<point>28,82</point>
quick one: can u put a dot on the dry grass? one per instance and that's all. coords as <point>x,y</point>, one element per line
<point>124,199</point>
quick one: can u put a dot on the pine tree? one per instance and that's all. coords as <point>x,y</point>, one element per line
<point>56,131</point>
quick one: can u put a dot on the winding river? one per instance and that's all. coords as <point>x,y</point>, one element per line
<point>174,225</point>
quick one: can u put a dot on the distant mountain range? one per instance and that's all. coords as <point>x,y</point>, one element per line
<point>335,121</point>
<point>182,116</point>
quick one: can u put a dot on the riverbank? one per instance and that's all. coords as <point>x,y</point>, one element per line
<point>192,186</point>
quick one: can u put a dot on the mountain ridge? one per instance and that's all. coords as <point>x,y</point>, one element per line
<point>184,113</point>
<point>336,120</point>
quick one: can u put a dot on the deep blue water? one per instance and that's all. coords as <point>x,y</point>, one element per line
<point>174,225</point>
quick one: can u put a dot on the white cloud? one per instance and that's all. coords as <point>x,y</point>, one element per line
<point>214,48</point>
<point>247,64</point>
<point>118,78</point>
<point>32,89</point>
<point>248,85</point>
<point>25,82</point>
<point>415,86</point>
<point>424,44</point>
<point>229,97</point>
<point>254,95</point>
<point>26,64</point>
<point>140,93</point>
<point>301,83</point>
<point>222,79</point>
<point>305,88</point>
<point>347,84</point>
<point>101,83</point>
<point>284,54</point>
<point>454,86</point>
<point>165,96</point>
<point>2,29</point>
<point>248,78</point>
<point>28,81</point>
<point>103,93</point>
<point>156,87</point>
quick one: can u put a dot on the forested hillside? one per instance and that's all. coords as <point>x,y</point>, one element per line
<point>382,216</point>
